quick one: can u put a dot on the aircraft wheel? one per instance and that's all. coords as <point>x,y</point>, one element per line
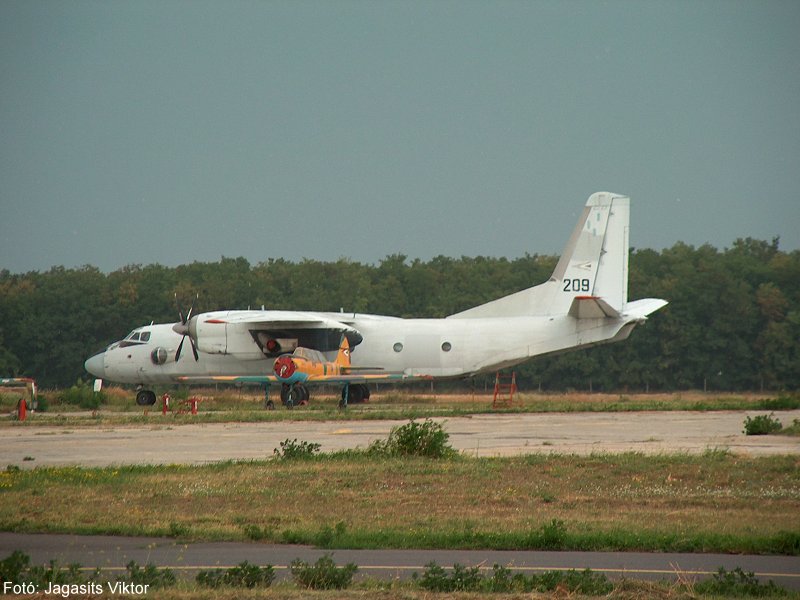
<point>145,398</point>
<point>304,394</point>
<point>356,394</point>
<point>359,392</point>
<point>365,387</point>
<point>284,393</point>
<point>296,396</point>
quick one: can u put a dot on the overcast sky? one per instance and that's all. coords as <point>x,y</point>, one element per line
<point>175,131</point>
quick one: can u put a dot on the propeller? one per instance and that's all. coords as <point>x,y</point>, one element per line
<point>183,329</point>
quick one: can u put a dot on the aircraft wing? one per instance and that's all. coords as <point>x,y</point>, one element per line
<point>356,377</point>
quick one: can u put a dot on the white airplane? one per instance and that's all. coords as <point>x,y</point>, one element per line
<point>584,303</point>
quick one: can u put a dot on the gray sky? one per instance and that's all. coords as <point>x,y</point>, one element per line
<point>175,131</point>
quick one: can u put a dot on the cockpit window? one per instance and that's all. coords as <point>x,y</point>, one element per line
<point>135,338</point>
<point>309,354</point>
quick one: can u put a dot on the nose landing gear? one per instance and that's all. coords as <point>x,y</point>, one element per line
<point>145,398</point>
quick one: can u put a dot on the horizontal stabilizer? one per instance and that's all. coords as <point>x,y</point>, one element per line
<point>591,307</point>
<point>641,308</point>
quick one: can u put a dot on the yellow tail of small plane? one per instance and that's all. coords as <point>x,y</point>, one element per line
<point>343,358</point>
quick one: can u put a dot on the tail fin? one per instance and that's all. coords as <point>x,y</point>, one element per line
<point>343,357</point>
<point>593,264</point>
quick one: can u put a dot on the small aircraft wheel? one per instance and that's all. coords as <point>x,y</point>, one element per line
<point>295,396</point>
<point>145,398</point>
<point>304,394</point>
<point>269,405</point>
<point>365,387</point>
<point>356,394</point>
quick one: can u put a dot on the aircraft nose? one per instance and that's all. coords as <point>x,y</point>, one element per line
<point>96,365</point>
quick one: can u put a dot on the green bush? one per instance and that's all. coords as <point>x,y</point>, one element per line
<point>16,568</point>
<point>292,449</point>
<point>150,575</point>
<point>82,394</point>
<point>737,583</point>
<point>762,425</point>
<point>427,439</point>
<point>461,579</point>
<point>323,575</point>
<point>464,579</point>
<point>243,575</point>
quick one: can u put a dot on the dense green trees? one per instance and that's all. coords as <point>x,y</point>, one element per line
<point>733,321</point>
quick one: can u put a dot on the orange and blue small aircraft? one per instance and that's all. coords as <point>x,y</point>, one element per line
<point>305,365</point>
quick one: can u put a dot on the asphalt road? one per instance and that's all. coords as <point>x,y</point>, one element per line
<point>113,553</point>
<point>482,435</point>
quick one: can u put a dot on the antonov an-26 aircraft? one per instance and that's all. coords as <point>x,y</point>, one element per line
<point>584,303</point>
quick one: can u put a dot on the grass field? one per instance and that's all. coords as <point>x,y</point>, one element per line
<point>714,502</point>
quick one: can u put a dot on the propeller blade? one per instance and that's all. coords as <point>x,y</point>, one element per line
<point>183,328</point>
<point>180,312</point>
<point>191,308</point>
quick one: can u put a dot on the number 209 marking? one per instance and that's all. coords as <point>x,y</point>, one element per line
<point>576,285</point>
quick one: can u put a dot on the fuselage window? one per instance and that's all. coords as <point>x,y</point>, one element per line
<point>447,346</point>
<point>398,347</point>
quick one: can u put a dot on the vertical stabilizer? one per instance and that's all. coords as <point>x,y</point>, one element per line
<point>594,263</point>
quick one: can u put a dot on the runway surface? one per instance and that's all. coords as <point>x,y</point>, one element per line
<point>113,553</point>
<point>169,441</point>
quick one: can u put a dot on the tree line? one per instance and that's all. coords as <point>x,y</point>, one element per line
<point>733,322</point>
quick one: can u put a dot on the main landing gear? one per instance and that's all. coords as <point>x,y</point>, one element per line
<point>294,395</point>
<point>298,395</point>
<point>354,393</point>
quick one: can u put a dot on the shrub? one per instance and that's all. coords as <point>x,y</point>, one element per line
<point>737,583</point>
<point>427,439</point>
<point>13,566</point>
<point>292,449</point>
<point>436,579</point>
<point>243,575</point>
<point>82,394</point>
<point>17,568</point>
<point>461,579</point>
<point>323,575</point>
<point>150,575</point>
<point>762,425</point>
